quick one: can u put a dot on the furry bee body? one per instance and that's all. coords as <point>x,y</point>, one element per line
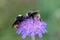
<point>20,19</point>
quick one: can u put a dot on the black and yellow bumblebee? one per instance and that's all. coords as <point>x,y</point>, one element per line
<point>20,18</point>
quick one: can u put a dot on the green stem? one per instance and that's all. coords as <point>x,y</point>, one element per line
<point>33,38</point>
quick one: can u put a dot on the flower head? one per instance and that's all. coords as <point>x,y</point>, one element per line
<point>31,28</point>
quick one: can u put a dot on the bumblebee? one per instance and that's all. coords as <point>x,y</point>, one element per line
<point>20,18</point>
<point>35,15</point>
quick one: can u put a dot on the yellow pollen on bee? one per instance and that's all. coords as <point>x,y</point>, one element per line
<point>15,26</point>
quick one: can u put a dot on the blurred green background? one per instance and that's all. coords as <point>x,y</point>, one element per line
<point>49,10</point>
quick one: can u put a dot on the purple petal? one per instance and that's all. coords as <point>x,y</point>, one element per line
<point>24,36</point>
<point>40,35</point>
<point>32,35</point>
<point>43,31</point>
<point>19,31</point>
